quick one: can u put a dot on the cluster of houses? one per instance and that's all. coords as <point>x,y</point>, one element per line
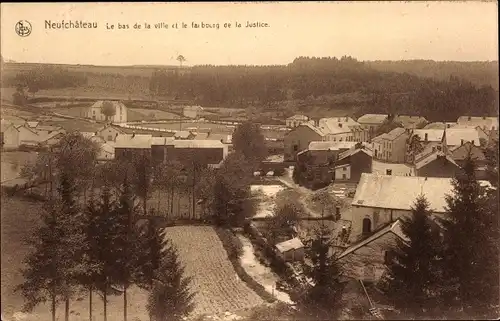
<point>341,148</point>
<point>390,171</point>
<point>114,143</point>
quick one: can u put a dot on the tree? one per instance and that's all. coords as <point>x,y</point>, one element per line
<point>230,200</point>
<point>73,239</point>
<point>44,275</point>
<point>101,223</point>
<point>250,142</point>
<point>388,125</point>
<point>415,146</point>
<point>284,220</point>
<point>180,59</point>
<point>150,245</point>
<point>170,298</point>
<point>324,299</point>
<point>414,269</point>
<point>471,250</point>
<point>19,97</point>
<point>108,109</point>
<point>125,252</point>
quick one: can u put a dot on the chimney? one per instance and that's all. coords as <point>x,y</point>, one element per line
<point>461,142</point>
<point>448,125</point>
<point>346,119</point>
<point>484,117</point>
<point>426,137</point>
<point>470,117</point>
<point>340,125</point>
<point>133,134</point>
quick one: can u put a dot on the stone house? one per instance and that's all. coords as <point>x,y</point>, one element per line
<point>299,138</point>
<point>391,146</point>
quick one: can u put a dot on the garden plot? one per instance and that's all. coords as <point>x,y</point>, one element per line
<point>217,287</point>
<point>267,195</point>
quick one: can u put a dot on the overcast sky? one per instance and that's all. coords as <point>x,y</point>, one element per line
<point>462,31</point>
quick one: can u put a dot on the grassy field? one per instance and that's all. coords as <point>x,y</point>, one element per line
<point>218,289</point>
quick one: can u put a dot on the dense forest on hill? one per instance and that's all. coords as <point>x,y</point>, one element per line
<point>312,78</point>
<point>437,90</point>
<point>477,72</point>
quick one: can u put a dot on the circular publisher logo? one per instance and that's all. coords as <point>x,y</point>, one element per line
<point>23,28</point>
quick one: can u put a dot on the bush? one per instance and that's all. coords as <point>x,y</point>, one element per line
<point>231,243</point>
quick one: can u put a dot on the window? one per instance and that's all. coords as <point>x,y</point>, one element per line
<point>344,176</point>
<point>388,171</point>
<point>93,112</point>
<point>367,226</point>
<point>110,137</point>
<point>295,148</point>
<point>344,169</point>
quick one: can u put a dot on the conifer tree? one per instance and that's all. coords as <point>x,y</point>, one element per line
<point>125,253</point>
<point>170,297</point>
<point>101,227</point>
<point>414,268</point>
<point>44,275</point>
<point>471,247</point>
<point>324,299</point>
<point>150,245</point>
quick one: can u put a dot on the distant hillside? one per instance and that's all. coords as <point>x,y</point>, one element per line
<point>477,72</point>
<point>437,90</point>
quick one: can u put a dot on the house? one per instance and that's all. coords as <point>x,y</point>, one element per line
<point>352,163</point>
<point>205,152</point>
<point>128,146</point>
<point>429,135</point>
<point>10,135</point>
<point>291,250</point>
<point>459,136</point>
<point>359,134</point>
<point>411,122</point>
<point>366,259</point>
<point>486,123</point>
<point>460,153</point>
<point>335,131</point>
<point>296,120</point>
<point>109,132</point>
<point>95,111</point>
<point>381,199</point>
<point>299,138</point>
<point>191,111</point>
<point>437,164</point>
<point>323,151</point>
<point>391,146</point>
<point>483,135</point>
<point>370,122</point>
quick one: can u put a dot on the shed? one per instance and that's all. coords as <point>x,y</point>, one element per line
<point>291,250</point>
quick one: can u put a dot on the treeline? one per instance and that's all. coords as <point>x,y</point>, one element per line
<point>45,77</point>
<point>310,78</point>
<point>479,73</point>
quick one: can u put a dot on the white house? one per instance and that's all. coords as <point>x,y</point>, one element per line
<point>95,112</point>
<point>109,133</point>
<point>296,120</point>
<point>381,199</point>
<point>337,131</point>
<point>486,123</point>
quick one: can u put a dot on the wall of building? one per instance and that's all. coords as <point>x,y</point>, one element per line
<point>359,163</point>
<point>440,167</point>
<point>368,262</point>
<point>293,255</point>
<point>108,133</point>
<point>341,137</point>
<point>128,153</point>
<point>299,138</point>
<point>11,138</point>
<point>343,173</point>
<point>398,150</point>
<point>377,216</point>
<point>205,156</point>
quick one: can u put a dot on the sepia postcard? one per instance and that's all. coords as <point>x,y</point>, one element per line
<point>249,161</point>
